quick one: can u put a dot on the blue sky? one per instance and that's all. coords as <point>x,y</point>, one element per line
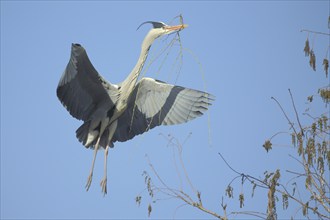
<point>247,52</point>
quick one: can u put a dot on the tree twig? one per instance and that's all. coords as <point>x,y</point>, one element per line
<point>287,118</point>
<point>228,164</point>
<point>315,32</point>
<point>295,110</point>
<point>252,213</point>
<point>244,176</point>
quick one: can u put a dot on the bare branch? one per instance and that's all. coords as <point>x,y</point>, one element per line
<point>173,193</point>
<point>315,32</point>
<point>287,118</point>
<point>295,110</point>
<point>228,164</point>
<point>251,213</point>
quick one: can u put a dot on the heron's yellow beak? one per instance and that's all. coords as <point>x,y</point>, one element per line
<point>176,27</point>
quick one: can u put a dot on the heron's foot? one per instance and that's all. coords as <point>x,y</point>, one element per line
<point>104,186</point>
<point>89,181</point>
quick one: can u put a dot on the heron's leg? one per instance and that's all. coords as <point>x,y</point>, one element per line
<point>104,122</point>
<point>104,180</point>
<point>103,183</point>
<point>89,179</point>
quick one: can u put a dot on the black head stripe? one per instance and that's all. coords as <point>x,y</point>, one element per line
<point>155,24</point>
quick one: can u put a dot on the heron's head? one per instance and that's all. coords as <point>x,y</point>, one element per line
<point>160,28</point>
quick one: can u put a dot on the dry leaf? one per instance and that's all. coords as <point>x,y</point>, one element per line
<point>306,48</point>
<point>138,200</point>
<point>326,66</point>
<point>310,98</point>
<point>241,200</point>
<point>149,210</point>
<point>312,60</point>
<point>267,145</point>
<point>325,94</point>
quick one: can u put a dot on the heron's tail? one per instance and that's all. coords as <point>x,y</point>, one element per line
<point>82,133</point>
<point>89,137</point>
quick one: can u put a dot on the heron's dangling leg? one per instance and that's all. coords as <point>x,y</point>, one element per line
<point>89,179</point>
<point>104,123</point>
<point>103,183</point>
<point>104,180</point>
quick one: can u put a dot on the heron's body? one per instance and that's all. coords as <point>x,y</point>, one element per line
<point>119,112</point>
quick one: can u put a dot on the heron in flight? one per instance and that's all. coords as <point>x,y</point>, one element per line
<point>119,112</point>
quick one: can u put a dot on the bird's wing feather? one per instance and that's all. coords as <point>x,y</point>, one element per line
<point>155,103</point>
<point>81,89</point>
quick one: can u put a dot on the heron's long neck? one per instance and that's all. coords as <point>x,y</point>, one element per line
<point>129,83</point>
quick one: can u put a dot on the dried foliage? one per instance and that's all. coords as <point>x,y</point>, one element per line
<point>313,147</point>
<point>271,207</point>
<point>241,200</point>
<point>285,201</point>
<point>229,191</point>
<point>149,210</point>
<point>267,145</point>
<point>138,200</point>
<point>310,98</point>
<point>312,60</point>
<point>325,94</point>
<point>307,48</point>
<point>326,66</point>
<point>310,52</point>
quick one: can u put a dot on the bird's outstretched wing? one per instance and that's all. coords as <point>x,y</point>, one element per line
<point>155,103</point>
<point>81,89</point>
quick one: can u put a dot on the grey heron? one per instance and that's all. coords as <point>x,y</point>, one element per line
<point>119,112</point>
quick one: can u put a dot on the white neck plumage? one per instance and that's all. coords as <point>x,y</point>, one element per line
<point>128,84</point>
